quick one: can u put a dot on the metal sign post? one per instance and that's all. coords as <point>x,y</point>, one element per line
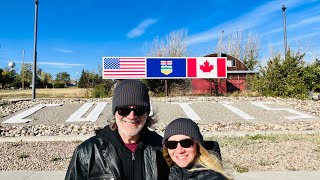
<point>34,76</point>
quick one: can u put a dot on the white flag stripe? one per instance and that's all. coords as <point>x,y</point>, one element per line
<point>131,69</point>
<point>111,72</point>
<point>120,76</point>
<point>124,74</point>
<point>142,63</point>
<point>132,59</point>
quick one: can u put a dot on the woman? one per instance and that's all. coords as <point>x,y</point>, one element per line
<point>184,152</point>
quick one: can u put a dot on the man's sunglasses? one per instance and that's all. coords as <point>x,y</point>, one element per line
<point>125,110</point>
<point>185,143</point>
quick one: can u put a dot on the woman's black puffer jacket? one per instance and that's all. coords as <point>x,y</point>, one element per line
<point>177,173</point>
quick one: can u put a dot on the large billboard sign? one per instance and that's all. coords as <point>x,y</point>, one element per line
<point>164,67</point>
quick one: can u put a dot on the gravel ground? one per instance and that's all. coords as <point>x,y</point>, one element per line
<point>272,152</point>
<point>265,153</point>
<point>250,153</point>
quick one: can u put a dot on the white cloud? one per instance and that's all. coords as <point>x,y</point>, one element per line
<point>141,28</point>
<point>60,65</point>
<point>63,50</point>
<point>252,19</point>
<point>295,39</point>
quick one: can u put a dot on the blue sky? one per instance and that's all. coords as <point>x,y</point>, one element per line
<point>76,34</point>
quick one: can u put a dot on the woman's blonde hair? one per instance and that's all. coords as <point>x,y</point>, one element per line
<point>208,160</point>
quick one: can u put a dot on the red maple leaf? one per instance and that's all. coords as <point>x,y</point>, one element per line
<point>206,67</point>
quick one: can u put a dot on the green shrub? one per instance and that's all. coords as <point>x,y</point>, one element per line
<point>58,85</point>
<point>100,91</point>
<point>53,159</point>
<point>23,156</point>
<point>240,169</point>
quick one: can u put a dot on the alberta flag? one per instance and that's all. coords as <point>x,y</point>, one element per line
<point>207,67</point>
<point>166,68</point>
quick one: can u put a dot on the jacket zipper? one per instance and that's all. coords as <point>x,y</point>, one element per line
<point>132,164</point>
<point>133,158</point>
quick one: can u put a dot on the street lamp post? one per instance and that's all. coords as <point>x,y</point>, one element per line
<point>22,70</point>
<point>35,51</point>
<point>284,30</point>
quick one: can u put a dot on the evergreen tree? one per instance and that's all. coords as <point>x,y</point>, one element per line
<point>282,78</point>
<point>311,74</point>
<point>83,79</point>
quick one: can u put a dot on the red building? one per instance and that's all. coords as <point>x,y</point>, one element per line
<point>236,79</point>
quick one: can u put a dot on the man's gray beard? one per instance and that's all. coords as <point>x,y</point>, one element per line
<point>132,132</point>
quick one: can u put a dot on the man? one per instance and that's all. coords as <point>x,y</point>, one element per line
<point>126,149</point>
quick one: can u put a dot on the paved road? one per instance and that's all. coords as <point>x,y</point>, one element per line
<point>255,175</point>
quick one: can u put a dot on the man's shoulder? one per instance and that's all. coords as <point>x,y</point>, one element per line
<point>89,143</point>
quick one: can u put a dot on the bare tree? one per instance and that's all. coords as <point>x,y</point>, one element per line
<point>234,44</point>
<point>174,45</point>
<point>243,46</point>
<point>251,50</point>
<point>272,52</point>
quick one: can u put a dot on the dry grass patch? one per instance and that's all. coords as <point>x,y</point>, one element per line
<point>299,152</point>
<point>47,93</point>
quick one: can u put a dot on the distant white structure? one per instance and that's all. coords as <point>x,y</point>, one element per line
<point>11,65</point>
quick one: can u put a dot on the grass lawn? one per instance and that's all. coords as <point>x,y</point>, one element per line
<point>47,93</point>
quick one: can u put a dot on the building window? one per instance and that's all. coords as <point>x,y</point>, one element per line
<point>231,63</point>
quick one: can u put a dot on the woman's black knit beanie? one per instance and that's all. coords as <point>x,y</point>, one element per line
<point>183,126</point>
<point>130,93</point>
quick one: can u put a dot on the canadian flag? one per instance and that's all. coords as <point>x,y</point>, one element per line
<point>207,67</point>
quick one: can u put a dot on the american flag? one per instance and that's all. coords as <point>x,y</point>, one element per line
<point>124,68</point>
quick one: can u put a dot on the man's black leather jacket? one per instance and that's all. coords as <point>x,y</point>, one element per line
<point>105,156</point>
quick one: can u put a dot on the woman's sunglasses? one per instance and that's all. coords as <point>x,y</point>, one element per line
<point>185,143</point>
<point>125,110</point>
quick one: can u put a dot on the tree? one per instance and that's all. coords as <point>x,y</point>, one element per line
<point>28,71</point>
<point>84,78</point>
<point>251,50</point>
<point>311,74</point>
<point>89,79</point>
<point>174,45</point>
<point>243,46</point>
<point>282,78</point>
<point>46,78</point>
<point>1,76</point>
<point>63,77</point>
<point>7,76</point>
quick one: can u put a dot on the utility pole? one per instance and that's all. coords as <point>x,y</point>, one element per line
<point>22,70</point>
<point>284,30</point>
<point>220,44</point>
<point>34,75</point>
